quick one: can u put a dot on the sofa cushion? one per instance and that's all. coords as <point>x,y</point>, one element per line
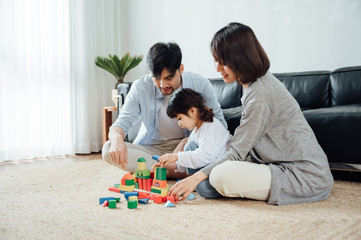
<point>346,86</point>
<point>310,89</point>
<point>232,117</point>
<point>338,131</point>
<point>228,95</point>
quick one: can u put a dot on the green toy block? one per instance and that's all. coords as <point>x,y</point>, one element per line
<point>144,174</point>
<point>132,204</point>
<point>141,160</point>
<point>112,203</point>
<point>116,185</point>
<point>117,199</point>
<point>129,182</point>
<point>161,173</point>
<point>156,190</point>
<point>136,185</point>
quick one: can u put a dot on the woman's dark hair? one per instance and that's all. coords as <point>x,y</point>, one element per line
<point>237,47</point>
<point>185,99</point>
<point>164,55</point>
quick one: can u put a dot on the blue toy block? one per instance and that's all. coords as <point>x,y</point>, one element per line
<point>143,200</point>
<point>129,194</point>
<point>156,157</point>
<point>101,200</point>
<point>191,196</point>
<point>169,204</point>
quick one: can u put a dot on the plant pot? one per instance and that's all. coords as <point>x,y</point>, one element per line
<point>115,97</point>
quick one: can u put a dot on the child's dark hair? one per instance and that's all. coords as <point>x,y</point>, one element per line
<point>185,99</point>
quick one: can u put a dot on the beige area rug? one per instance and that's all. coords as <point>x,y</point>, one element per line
<point>61,202</point>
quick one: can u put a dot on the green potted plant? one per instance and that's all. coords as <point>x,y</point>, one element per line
<point>118,67</point>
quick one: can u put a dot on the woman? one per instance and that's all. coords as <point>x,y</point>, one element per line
<point>286,164</point>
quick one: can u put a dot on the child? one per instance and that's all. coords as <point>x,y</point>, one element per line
<point>208,140</point>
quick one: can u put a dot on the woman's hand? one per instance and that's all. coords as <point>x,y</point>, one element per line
<point>168,158</point>
<point>183,188</point>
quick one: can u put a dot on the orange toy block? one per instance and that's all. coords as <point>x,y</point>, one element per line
<point>143,195</point>
<point>114,189</point>
<point>127,176</point>
<point>160,183</point>
<point>157,198</point>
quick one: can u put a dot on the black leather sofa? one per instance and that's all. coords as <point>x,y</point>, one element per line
<point>330,101</point>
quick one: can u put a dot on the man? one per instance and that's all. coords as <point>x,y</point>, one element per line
<point>148,98</point>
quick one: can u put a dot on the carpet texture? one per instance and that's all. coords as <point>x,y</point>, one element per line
<point>62,202</point>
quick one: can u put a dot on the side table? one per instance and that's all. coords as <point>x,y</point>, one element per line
<point>107,121</point>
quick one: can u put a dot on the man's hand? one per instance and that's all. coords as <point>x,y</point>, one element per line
<point>168,158</point>
<point>118,150</point>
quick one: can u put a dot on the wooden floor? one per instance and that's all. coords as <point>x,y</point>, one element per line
<point>42,162</point>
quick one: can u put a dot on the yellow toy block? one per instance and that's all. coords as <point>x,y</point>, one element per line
<point>164,193</point>
<point>126,188</point>
<point>135,198</point>
<point>141,165</point>
<point>158,188</point>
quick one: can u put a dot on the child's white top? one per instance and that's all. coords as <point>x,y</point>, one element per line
<point>213,141</point>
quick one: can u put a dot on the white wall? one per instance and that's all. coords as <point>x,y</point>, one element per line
<point>297,35</point>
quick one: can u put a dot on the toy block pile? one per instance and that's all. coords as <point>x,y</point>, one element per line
<point>143,179</point>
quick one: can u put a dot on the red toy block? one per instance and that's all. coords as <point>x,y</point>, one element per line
<point>157,198</point>
<point>114,189</point>
<point>143,195</point>
<point>152,175</point>
<point>105,204</point>
<point>149,184</point>
<point>170,198</point>
<point>140,183</point>
<point>164,199</point>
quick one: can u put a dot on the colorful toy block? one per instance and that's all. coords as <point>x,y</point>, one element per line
<point>160,173</point>
<point>157,198</point>
<point>105,204</point>
<point>133,198</point>
<point>171,198</point>
<point>129,182</point>
<point>130,194</point>
<point>143,195</point>
<point>191,196</point>
<point>156,157</point>
<point>101,200</point>
<point>159,183</point>
<point>143,201</point>
<point>125,188</point>
<point>169,204</point>
<point>112,203</point>
<point>114,189</point>
<point>132,204</point>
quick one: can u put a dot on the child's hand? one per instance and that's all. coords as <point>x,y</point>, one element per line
<point>157,164</point>
<point>168,158</point>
